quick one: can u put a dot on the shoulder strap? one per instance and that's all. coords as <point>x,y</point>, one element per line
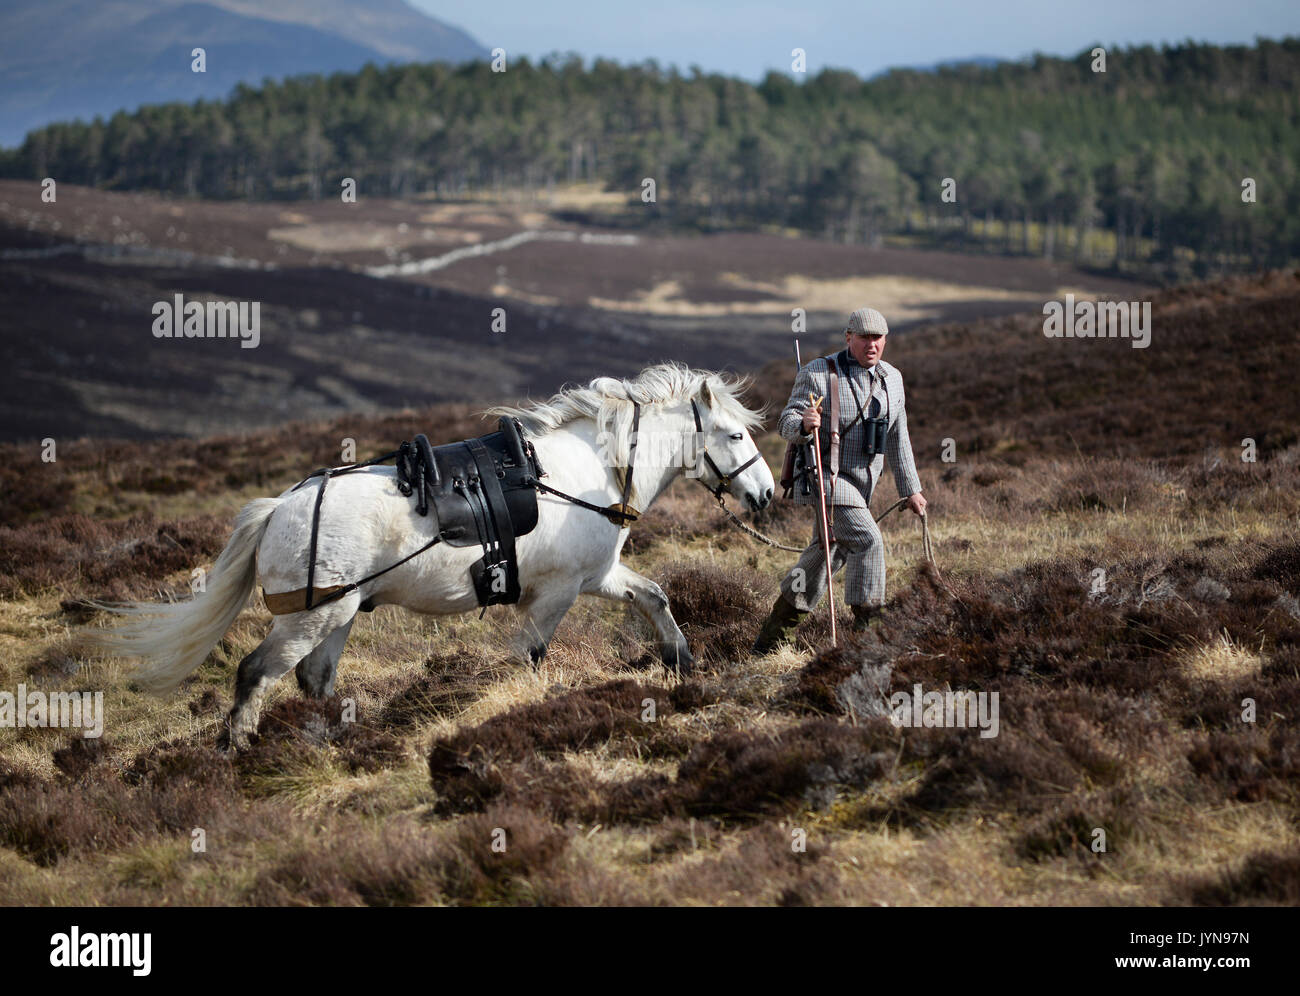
<point>834,391</point>
<point>854,388</point>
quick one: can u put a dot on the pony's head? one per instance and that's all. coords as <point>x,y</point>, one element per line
<point>725,456</point>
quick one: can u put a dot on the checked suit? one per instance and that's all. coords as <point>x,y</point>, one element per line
<point>858,547</point>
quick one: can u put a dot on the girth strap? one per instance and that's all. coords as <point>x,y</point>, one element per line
<point>496,534</point>
<point>315,531</point>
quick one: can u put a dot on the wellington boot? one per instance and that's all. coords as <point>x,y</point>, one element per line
<point>779,626</point>
<point>865,617</point>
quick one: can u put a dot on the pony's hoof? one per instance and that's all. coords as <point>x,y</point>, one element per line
<point>232,742</point>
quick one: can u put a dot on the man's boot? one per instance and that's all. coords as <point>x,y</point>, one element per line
<point>779,627</point>
<point>865,617</point>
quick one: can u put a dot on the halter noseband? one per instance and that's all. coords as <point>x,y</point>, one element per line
<point>724,480</point>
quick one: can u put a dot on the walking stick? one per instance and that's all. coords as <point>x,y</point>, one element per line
<point>821,502</point>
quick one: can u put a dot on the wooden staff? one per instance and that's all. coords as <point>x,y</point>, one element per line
<point>821,502</point>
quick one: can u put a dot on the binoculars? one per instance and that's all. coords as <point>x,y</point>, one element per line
<point>876,431</point>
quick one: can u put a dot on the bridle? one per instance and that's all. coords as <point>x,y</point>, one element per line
<point>724,480</point>
<point>622,514</point>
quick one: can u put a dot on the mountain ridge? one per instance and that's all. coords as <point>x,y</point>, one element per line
<point>63,59</point>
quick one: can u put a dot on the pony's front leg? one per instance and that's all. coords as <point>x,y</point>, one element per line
<point>622,584</point>
<point>543,606</point>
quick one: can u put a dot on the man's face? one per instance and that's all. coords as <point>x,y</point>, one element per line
<point>866,349</point>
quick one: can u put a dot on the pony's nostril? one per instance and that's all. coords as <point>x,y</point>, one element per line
<point>767,496</point>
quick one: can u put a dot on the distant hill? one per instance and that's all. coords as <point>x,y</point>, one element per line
<point>62,59</point>
<point>1141,168</point>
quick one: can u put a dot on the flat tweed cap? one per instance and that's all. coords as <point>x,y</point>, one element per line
<point>868,321</point>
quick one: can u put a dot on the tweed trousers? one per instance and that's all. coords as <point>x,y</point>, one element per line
<point>857,547</point>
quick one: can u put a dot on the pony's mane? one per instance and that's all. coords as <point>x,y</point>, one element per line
<point>608,400</point>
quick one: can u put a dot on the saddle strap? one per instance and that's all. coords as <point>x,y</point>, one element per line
<point>417,472</point>
<point>428,471</point>
<point>499,545</point>
<point>631,457</point>
<point>473,495</point>
<point>315,532</point>
<point>285,602</point>
<point>617,514</point>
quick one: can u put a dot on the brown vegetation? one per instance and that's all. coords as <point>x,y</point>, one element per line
<point>1157,701</point>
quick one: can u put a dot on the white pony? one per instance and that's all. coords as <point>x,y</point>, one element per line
<point>581,437</point>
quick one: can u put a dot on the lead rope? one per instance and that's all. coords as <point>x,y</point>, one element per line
<point>742,525</point>
<point>929,555</point>
<point>739,523</point>
<point>926,545</point>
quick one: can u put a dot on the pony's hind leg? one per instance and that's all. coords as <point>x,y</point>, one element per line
<point>316,671</point>
<point>292,638</point>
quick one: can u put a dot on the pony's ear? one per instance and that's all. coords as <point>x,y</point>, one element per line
<point>706,392</point>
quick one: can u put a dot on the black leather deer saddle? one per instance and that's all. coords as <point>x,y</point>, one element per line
<point>482,492</point>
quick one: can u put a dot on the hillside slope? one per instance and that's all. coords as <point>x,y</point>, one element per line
<point>78,278</point>
<point>1219,367</point>
<point>1121,703</point>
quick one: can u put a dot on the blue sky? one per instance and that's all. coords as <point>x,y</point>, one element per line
<point>748,37</point>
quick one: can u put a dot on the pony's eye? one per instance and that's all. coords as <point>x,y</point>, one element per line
<point>737,435</point>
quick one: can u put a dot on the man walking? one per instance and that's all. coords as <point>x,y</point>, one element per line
<point>873,425</point>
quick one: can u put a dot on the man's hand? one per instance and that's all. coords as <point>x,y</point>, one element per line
<point>812,418</point>
<point>916,502</point>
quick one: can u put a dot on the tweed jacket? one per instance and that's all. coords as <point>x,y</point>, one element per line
<point>858,475</point>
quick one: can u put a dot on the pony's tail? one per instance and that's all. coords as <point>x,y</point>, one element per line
<point>173,638</point>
